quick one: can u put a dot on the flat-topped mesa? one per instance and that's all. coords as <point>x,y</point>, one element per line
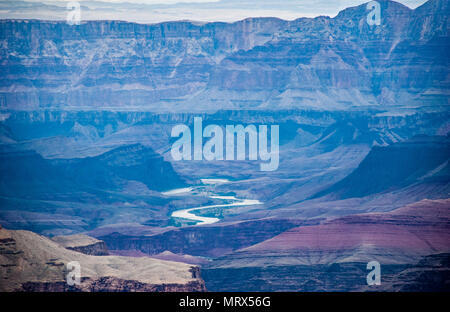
<point>30,262</point>
<point>83,243</point>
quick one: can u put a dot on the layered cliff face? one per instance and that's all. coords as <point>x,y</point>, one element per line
<point>337,63</point>
<point>29,262</point>
<point>333,255</point>
<point>209,241</point>
<point>83,243</point>
<point>431,273</point>
<point>324,63</point>
<point>110,64</point>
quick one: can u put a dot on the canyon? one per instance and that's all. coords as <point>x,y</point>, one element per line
<point>87,175</point>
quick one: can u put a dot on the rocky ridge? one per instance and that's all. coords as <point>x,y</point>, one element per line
<point>30,262</point>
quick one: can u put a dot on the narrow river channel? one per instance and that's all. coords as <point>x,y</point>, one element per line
<point>230,201</point>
